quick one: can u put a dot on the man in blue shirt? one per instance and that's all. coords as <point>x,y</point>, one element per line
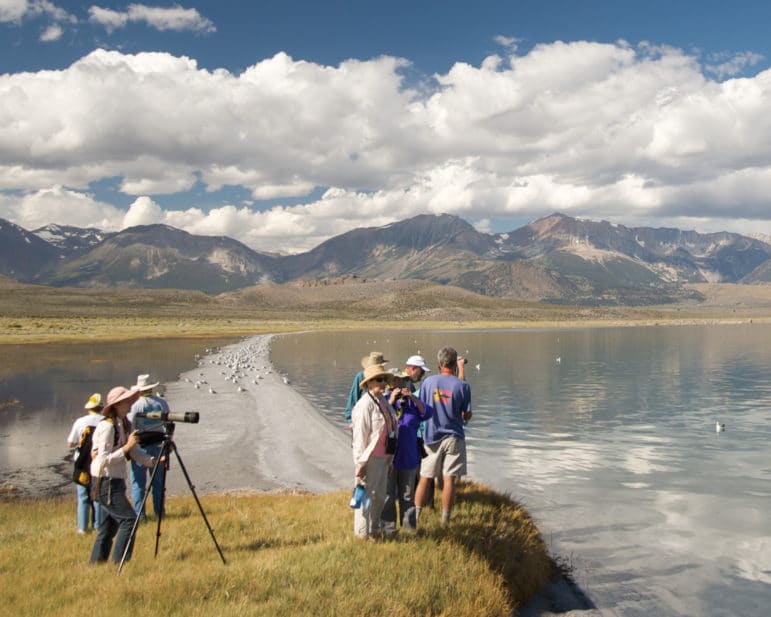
<point>444,438</point>
<point>146,403</point>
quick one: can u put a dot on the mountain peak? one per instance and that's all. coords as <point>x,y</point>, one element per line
<point>428,229</point>
<point>555,258</point>
<point>549,224</point>
<point>69,239</point>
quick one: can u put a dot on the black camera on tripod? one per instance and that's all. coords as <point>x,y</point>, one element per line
<point>166,437</point>
<point>149,437</point>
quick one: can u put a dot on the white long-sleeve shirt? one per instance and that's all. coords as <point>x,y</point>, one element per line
<point>108,459</point>
<point>368,427</point>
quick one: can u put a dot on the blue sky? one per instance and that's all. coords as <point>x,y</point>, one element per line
<point>284,123</point>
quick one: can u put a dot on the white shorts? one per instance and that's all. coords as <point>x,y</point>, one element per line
<point>446,458</point>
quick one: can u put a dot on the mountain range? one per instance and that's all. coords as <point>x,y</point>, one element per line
<point>556,259</point>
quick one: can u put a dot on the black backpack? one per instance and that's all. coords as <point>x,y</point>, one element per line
<point>81,471</point>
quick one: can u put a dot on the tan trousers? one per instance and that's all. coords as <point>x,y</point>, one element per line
<point>366,519</point>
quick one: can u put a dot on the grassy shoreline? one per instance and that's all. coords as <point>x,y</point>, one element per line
<point>286,555</point>
<point>21,330</point>
<point>36,314</point>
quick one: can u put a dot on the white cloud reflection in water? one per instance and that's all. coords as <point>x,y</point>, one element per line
<point>613,450</point>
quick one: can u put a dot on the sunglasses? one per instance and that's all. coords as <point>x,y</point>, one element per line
<point>379,379</point>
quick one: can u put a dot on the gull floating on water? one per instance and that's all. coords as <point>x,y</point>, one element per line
<point>719,428</point>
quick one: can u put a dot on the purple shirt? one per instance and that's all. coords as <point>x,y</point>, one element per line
<point>407,455</point>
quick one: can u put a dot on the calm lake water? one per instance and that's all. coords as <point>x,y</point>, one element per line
<point>43,389</point>
<point>608,437</point>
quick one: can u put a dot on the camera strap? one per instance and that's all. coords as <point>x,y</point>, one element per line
<point>387,417</point>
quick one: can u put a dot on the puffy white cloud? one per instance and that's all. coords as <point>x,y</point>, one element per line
<point>13,10</point>
<point>52,33</point>
<point>59,205</point>
<point>111,20</point>
<point>728,65</point>
<point>144,211</point>
<point>16,10</point>
<point>509,42</point>
<point>44,7</point>
<point>633,134</point>
<point>162,18</point>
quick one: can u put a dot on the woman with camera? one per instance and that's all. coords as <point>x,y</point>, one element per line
<point>410,412</point>
<point>374,427</point>
<point>111,448</point>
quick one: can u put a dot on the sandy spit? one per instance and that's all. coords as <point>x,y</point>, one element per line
<point>256,433</point>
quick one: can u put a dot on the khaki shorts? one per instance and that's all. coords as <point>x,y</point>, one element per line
<point>446,458</point>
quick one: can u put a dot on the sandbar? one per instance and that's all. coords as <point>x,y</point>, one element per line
<point>256,433</point>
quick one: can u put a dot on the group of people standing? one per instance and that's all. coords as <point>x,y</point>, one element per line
<point>407,432</point>
<point>402,425</point>
<point>114,428</point>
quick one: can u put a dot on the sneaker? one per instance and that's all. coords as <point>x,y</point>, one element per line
<point>82,532</point>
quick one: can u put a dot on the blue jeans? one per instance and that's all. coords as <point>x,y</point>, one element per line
<point>116,520</point>
<point>88,511</point>
<point>139,482</point>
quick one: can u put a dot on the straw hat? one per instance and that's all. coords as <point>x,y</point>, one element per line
<point>118,394</point>
<point>94,401</point>
<point>375,357</point>
<point>143,383</point>
<point>370,372</point>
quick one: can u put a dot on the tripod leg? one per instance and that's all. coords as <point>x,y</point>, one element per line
<point>164,452</point>
<point>200,507</point>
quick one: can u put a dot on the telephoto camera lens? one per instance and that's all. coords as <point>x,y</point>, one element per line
<point>189,417</point>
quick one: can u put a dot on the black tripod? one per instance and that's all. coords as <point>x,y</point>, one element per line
<point>168,447</point>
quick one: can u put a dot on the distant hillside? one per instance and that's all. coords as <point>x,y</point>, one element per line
<point>158,256</point>
<point>556,259</point>
<point>346,298</point>
<point>401,249</point>
<point>24,256</point>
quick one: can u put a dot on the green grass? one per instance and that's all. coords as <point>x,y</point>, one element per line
<point>286,555</point>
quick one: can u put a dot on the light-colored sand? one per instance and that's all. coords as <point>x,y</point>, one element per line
<point>262,438</point>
